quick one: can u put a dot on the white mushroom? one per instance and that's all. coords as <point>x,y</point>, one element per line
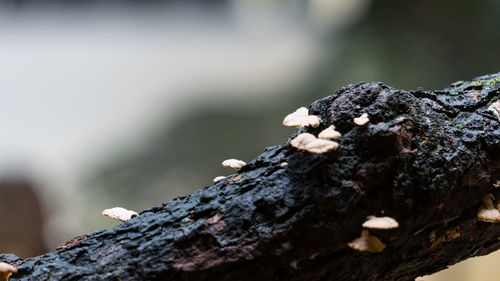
<point>495,108</point>
<point>320,146</point>
<point>301,118</point>
<point>374,222</point>
<point>233,163</point>
<point>497,184</point>
<point>216,179</point>
<point>6,270</point>
<point>366,242</point>
<point>329,133</point>
<point>362,120</point>
<point>310,143</point>
<point>119,213</point>
<point>283,164</point>
<point>302,140</point>
<point>488,212</point>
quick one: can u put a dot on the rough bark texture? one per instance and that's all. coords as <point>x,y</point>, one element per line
<point>426,158</point>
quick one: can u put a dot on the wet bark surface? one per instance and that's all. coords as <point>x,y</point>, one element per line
<point>426,159</point>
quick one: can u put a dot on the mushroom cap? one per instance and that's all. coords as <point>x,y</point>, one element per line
<point>495,108</point>
<point>497,184</point>
<point>119,213</point>
<point>301,112</point>
<point>233,163</point>
<point>301,118</point>
<point>374,222</point>
<point>302,140</point>
<point>488,214</point>
<point>6,270</point>
<point>329,133</point>
<point>367,243</point>
<point>216,179</point>
<point>320,146</point>
<point>362,120</point>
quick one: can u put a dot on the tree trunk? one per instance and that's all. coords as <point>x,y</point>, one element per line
<point>426,158</point>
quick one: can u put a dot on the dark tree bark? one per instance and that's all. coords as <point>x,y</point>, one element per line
<point>426,158</point>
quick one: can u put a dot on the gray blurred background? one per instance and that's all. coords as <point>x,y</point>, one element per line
<point>133,103</point>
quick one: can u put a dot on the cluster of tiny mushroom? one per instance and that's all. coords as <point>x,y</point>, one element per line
<point>310,143</point>
<point>305,141</point>
<point>230,163</point>
<point>369,243</point>
<point>322,144</point>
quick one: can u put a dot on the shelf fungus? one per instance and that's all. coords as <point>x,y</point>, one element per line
<point>497,184</point>
<point>6,270</point>
<point>301,118</point>
<point>495,108</point>
<point>219,178</point>
<point>233,163</point>
<point>374,222</point>
<point>362,120</point>
<point>119,213</point>
<point>367,243</point>
<point>310,143</point>
<point>329,133</point>
<point>488,212</point>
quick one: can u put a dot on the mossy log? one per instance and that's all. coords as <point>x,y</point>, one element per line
<point>426,158</point>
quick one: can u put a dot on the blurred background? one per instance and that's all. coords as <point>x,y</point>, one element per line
<point>133,103</point>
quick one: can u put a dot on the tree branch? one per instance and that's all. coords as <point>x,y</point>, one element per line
<point>426,158</point>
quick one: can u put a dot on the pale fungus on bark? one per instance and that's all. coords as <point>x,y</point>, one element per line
<point>362,120</point>
<point>119,213</point>
<point>374,222</point>
<point>6,270</point>
<point>233,163</point>
<point>497,184</point>
<point>301,118</point>
<point>283,164</point>
<point>310,143</point>
<point>329,133</point>
<point>320,146</point>
<point>302,140</point>
<point>488,212</point>
<point>219,178</point>
<point>367,243</point>
<point>495,108</point>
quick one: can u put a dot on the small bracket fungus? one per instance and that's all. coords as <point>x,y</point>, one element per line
<point>119,213</point>
<point>320,146</point>
<point>497,184</point>
<point>302,140</point>
<point>329,133</point>
<point>374,222</point>
<point>488,212</point>
<point>6,270</point>
<point>362,120</point>
<point>233,163</point>
<point>219,178</point>
<point>310,143</point>
<point>301,118</point>
<point>495,108</point>
<point>366,242</point>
